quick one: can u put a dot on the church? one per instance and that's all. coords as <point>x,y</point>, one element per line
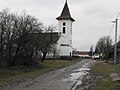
<point>64,44</point>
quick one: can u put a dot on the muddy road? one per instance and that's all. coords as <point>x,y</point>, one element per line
<point>67,78</point>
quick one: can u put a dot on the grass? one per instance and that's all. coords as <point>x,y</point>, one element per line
<point>104,70</point>
<point>20,73</point>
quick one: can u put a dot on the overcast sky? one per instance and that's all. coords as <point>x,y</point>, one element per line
<point>93,17</point>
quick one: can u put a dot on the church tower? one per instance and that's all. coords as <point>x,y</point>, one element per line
<point>65,28</point>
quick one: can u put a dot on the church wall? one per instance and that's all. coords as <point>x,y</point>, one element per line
<point>65,41</point>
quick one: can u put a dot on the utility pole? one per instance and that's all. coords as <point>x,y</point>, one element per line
<point>115,48</point>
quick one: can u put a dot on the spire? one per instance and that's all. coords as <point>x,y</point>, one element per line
<point>65,13</point>
<point>66,1</point>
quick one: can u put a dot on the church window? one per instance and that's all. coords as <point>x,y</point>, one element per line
<point>70,31</point>
<point>64,30</point>
<point>64,24</point>
<point>71,24</point>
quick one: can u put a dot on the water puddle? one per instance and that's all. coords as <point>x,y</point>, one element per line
<point>77,76</point>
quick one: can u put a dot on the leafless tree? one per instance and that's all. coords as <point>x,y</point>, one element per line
<point>22,37</point>
<point>104,44</point>
<point>47,44</point>
<point>91,50</point>
<point>54,51</point>
<point>6,36</point>
<point>16,36</point>
<point>25,46</point>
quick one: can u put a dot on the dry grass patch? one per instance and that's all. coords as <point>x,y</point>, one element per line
<point>104,70</point>
<point>18,73</point>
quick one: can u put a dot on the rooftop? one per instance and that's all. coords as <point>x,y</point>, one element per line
<point>65,13</point>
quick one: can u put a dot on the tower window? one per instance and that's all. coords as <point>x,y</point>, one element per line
<point>70,31</point>
<point>71,24</point>
<point>64,24</point>
<point>64,30</point>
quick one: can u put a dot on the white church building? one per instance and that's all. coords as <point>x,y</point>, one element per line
<point>64,44</point>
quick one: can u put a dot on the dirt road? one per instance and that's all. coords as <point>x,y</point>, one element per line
<point>67,78</point>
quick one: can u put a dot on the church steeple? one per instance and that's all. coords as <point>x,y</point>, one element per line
<point>65,13</point>
<point>65,29</point>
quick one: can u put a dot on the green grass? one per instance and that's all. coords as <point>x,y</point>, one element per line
<point>104,70</point>
<point>20,73</point>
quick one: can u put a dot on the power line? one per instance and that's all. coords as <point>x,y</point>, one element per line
<point>118,15</point>
<point>111,30</point>
<point>113,24</point>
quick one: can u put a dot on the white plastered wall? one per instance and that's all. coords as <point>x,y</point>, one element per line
<point>66,38</point>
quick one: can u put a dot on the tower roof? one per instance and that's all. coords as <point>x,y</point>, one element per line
<point>65,13</point>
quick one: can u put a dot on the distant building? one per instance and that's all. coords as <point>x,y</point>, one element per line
<point>81,53</point>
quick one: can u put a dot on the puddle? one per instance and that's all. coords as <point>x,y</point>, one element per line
<point>82,69</point>
<point>77,75</point>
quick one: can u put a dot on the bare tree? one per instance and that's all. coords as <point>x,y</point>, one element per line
<point>22,37</point>
<point>96,50</point>
<point>6,36</point>
<point>103,45</point>
<point>16,36</point>
<point>26,27</point>
<point>49,41</point>
<point>54,51</point>
<point>91,51</point>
